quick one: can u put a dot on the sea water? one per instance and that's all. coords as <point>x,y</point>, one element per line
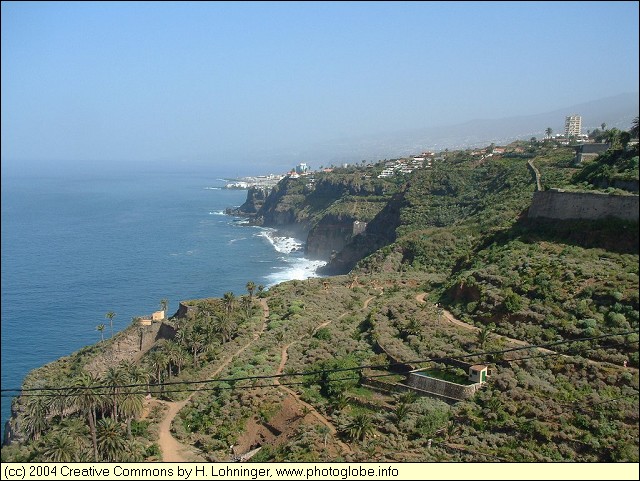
<point>77,246</point>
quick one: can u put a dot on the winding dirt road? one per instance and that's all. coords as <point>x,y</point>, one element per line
<point>312,410</point>
<point>449,317</point>
<point>172,449</point>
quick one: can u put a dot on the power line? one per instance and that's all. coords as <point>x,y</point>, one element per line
<point>316,372</point>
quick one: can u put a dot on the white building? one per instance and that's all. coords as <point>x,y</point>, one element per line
<point>301,168</point>
<point>572,125</point>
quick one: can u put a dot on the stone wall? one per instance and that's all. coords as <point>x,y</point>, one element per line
<point>441,388</point>
<point>560,204</point>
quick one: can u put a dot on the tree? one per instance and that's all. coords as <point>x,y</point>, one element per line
<point>548,132</point>
<point>131,406</point>
<point>164,305</point>
<point>247,304</point>
<point>360,426</point>
<point>613,138</point>
<point>100,328</point>
<point>115,377</point>
<point>604,126</point>
<point>251,286</point>
<point>229,300</point>
<point>624,138</point>
<point>158,361</point>
<point>225,328</point>
<point>87,400</point>
<point>59,447</point>
<point>137,374</point>
<point>111,442</point>
<point>58,402</point>
<point>110,315</point>
<point>176,356</point>
<point>35,416</point>
<point>483,336</point>
<point>401,412</point>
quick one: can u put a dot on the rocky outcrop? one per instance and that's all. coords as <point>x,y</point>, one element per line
<point>311,210</point>
<point>378,233</point>
<point>255,199</point>
<point>330,236</point>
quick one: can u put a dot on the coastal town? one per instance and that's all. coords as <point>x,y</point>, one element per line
<point>587,146</point>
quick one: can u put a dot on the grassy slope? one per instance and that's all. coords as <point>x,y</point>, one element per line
<point>465,241</point>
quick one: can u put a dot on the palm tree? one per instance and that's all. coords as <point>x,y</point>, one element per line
<point>229,299</point>
<point>247,303</point>
<point>137,374</point>
<point>401,412</point>
<point>59,447</point>
<point>158,360</point>
<point>57,402</point>
<point>613,137</point>
<point>604,126</point>
<point>131,406</point>
<point>111,442</point>
<point>407,397</point>
<point>251,286</point>
<point>164,305</point>
<point>87,399</point>
<point>483,336</point>
<point>176,356</point>
<point>548,132</point>
<point>100,328</point>
<point>226,328</point>
<point>110,315</point>
<point>115,377</point>
<point>360,426</point>
<point>35,420</point>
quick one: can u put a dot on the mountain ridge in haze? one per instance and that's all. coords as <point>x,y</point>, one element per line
<point>616,111</point>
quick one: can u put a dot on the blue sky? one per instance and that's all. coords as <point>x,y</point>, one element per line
<point>104,82</point>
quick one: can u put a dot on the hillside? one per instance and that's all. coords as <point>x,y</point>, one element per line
<point>442,269</point>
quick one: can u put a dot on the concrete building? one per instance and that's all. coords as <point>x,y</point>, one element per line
<point>589,151</point>
<point>301,168</point>
<point>572,125</point>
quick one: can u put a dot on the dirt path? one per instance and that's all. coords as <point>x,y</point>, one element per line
<point>312,410</point>
<point>173,450</point>
<point>450,317</point>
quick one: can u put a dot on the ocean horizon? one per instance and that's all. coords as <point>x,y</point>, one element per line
<point>77,246</point>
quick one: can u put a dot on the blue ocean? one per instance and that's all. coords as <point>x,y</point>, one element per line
<point>77,246</point>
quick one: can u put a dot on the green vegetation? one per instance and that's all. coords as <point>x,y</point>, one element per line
<point>461,246</point>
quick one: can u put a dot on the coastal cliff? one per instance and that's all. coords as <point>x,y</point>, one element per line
<point>332,213</point>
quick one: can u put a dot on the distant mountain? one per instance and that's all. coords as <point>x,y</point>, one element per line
<point>617,111</point>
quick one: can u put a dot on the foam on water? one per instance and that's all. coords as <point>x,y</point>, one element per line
<point>298,268</point>
<point>295,265</point>
<point>282,244</point>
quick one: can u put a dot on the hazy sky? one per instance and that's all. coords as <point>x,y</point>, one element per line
<point>123,81</point>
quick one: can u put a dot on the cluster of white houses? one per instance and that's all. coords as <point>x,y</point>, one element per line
<point>406,166</point>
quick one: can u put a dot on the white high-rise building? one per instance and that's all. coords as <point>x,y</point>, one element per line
<point>301,168</point>
<point>572,126</point>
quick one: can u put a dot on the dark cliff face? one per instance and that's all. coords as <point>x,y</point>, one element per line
<point>329,236</point>
<point>313,211</point>
<point>255,199</point>
<point>380,232</point>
